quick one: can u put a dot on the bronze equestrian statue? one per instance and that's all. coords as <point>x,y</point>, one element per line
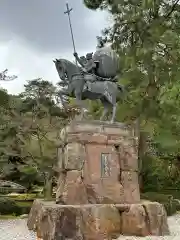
<point>95,78</point>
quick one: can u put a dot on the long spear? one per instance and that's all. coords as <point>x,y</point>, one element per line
<point>68,11</point>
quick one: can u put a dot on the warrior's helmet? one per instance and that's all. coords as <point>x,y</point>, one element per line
<point>89,56</point>
<point>83,59</point>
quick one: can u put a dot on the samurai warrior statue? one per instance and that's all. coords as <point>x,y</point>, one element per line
<point>103,64</point>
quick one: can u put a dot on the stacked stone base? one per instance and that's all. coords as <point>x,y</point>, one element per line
<point>96,221</point>
<point>98,187</point>
<point>98,164</point>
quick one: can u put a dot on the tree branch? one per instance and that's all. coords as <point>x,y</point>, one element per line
<point>172,9</point>
<point>4,77</point>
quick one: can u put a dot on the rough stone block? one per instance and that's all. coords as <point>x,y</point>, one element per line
<point>134,221</point>
<point>105,192</point>
<point>96,221</point>
<point>61,186</point>
<point>89,222</point>
<point>60,159</point>
<point>129,181</point>
<point>113,129</point>
<point>145,219</point>
<point>84,126</point>
<point>101,222</point>
<point>157,218</point>
<point>97,138</point>
<point>74,189</point>
<point>74,156</point>
<point>128,158</point>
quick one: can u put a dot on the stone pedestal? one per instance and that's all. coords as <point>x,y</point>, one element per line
<point>98,164</point>
<point>98,192</point>
<point>96,221</point>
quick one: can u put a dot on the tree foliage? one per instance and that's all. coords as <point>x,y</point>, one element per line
<point>5,77</point>
<point>30,126</point>
<point>146,36</point>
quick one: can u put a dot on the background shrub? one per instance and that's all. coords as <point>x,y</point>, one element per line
<point>8,206</point>
<point>13,206</point>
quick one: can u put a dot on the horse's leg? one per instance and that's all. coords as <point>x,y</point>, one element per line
<point>105,110</point>
<point>115,92</point>
<point>114,112</point>
<point>111,96</point>
<point>80,103</point>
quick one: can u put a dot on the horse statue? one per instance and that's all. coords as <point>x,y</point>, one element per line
<point>85,85</point>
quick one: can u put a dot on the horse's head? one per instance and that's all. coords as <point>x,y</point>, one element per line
<point>66,69</point>
<point>60,69</point>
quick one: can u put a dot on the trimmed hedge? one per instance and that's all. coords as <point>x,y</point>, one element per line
<point>10,206</point>
<point>24,206</point>
<point>177,203</point>
<point>23,197</point>
<point>174,192</point>
<point>5,190</point>
<point>171,205</point>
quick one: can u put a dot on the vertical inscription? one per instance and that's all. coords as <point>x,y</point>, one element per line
<point>105,164</point>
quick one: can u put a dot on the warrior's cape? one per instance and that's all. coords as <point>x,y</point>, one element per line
<point>108,62</point>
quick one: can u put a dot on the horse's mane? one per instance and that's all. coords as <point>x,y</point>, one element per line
<point>71,67</point>
<point>65,60</point>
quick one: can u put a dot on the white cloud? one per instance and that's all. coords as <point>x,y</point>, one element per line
<point>28,63</point>
<point>98,20</point>
<point>23,61</point>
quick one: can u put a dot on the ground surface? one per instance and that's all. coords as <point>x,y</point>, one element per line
<point>17,230</point>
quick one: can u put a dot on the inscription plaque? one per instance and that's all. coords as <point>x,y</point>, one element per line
<point>105,164</point>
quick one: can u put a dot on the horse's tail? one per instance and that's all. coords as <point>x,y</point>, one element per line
<point>123,92</point>
<point>121,88</point>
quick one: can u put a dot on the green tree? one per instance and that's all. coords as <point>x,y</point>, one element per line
<point>5,77</point>
<point>31,123</point>
<point>145,34</point>
<point>41,132</point>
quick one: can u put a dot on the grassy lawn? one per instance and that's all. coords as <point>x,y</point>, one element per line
<point>24,203</point>
<point>8,217</point>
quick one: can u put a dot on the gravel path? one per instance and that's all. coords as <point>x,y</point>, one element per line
<point>17,230</point>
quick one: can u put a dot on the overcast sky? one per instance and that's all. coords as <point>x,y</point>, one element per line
<point>33,32</point>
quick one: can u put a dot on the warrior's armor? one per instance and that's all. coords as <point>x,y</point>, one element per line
<point>103,64</point>
<point>87,63</point>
